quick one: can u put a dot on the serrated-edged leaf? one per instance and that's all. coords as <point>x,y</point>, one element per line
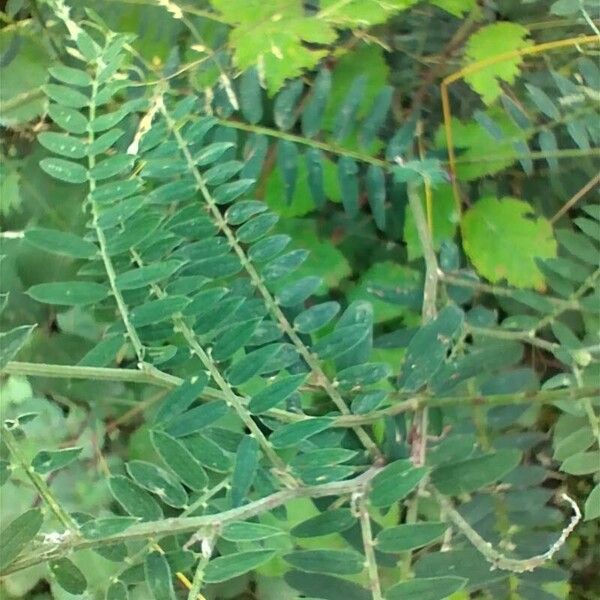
<point>251,96</point>
<point>427,349</point>
<point>158,481</point>
<point>228,192</point>
<point>211,153</point>
<point>513,222</point>
<point>66,96</point>
<point>395,482</point>
<point>69,293</point>
<point>158,310</point>
<point>297,292</point>
<point>158,576</point>
<point>246,531</point>
<point>69,119</point>
<point>70,76</point>
<point>466,476</point>
<point>47,461</point>
<point>234,338</point>
<point>582,463</point>
<point>376,116</point>
<point>268,248</point>
<point>293,433</point>
<point>144,276</point>
<point>409,536</point>
<point>207,453</point>
<point>60,242</point>
<point>240,212</point>
<point>347,175</point>
<point>227,567</point>
<point>111,166</point>
<point>332,562</point>
<point>375,183</point>
<point>314,170</point>
<point>135,500</point>
<point>117,591</point>
<point>284,107</point>
<point>316,317</point>
<point>12,341</point>
<point>592,504</point>
<point>96,529</point>
<point>252,364</point>
<point>68,576</point>
<point>18,533</point>
<point>64,170</point>
<point>330,521</point>
<point>361,375</point>
<point>287,162</point>
<point>222,172</point>
<point>275,393</point>
<point>312,115</point>
<point>344,121</point>
<point>180,460</point>
<point>196,419</point>
<point>245,467</point>
<point>63,144</point>
<point>429,588</point>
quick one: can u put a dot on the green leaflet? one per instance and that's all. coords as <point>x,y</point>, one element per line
<point>68,576</point>
<point>245,467</point>
<point>287,161</point>
<point>316,317</point>
<point>70,76</point>
<point>144,276</point>
<point>275,393</point>
<point>180,460</point>
<point>284,109</point>
<point>159,577</point>
<point>395,482</point>
<point>330,521</point>
<point>247,532</point>
<point>227,567</point>
<point>69,293</point>
<point>17,534</point>
<point>63,144</point>
<point>117,591</point>
<point>69,119</point>
<point>431,588</point>
<point>134,499</point>
<point>104,527</point>
<point>12,341</point>
<point>312,115</point>
<point>251,96</point>
<point>468,475</point>
<point>252,364</point>
<point>290,435</point>
<point>195,419</point>
<point>47,461</point>
<point>60,242</point>
<point>159,482</point>
<point>333,562</point>
<point>410,536</point>
<point>64,170</point>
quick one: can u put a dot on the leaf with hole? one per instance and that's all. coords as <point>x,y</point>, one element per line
<point>47,461</point>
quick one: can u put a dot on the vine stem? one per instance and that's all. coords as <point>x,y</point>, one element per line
<point>362,512</point>
<point>268,299</point>
<point>38,482</point>
<point>497,559</point>
<point>153,376</point>
<point>207,546</point>
<point>181,525</point>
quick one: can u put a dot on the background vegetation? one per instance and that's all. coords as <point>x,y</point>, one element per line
<point>193,405</point>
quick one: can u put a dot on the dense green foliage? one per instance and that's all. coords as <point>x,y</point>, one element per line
<point>277,325</point>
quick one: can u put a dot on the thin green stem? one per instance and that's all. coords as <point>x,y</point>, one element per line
<point>182,525</point>
<point>207,545</point>
<point>368,545</point>
<point>526,337</point>
<point>266,295</point>
<point>38,482</point>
